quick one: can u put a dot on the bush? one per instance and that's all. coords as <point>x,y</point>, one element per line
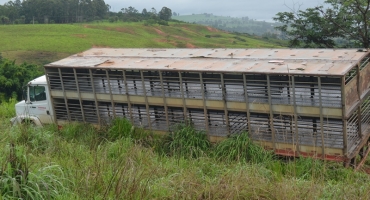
<point>241,148</point>
<point>120,128</point>
<point>111,19</point>
<point>163,23</point>
<point>82,133</point>
<point>185,142</point>
<point>13,77</point>
<point>149,22</point>
<point>7,109</point>
<point>240,39</point>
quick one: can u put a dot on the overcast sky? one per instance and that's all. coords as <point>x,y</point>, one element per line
<point>255,9</point>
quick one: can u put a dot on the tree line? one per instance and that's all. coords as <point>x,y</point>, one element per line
<point>131,14</point>
<point>70,11</point>
<point>52,11</point>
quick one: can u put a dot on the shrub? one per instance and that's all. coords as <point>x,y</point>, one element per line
<point>120,128</point>
<point>163,23</point>
<point>82,133</point>
<point>241,148</point>
<point>240,39</point>
<point>13,77</point>
<point>7,109</point>
<point>185,142</point>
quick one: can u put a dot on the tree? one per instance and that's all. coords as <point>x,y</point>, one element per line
<point>322,25</point>
<point>144,12</point>
<point>4,19</point>
<point>165,14</point>
<point>13,77</point>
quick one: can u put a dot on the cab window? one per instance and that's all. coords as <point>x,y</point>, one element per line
<point>37,93</point>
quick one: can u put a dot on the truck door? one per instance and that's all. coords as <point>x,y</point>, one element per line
<point>39,104</point>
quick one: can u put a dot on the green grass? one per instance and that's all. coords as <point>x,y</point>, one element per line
<point>45,43</point>
<point>122,162</point>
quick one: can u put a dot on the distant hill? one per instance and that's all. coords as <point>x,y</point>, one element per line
<point>231,24</point>
<point>44,43</point>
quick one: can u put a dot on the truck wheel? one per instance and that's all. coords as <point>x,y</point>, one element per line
<point>28,122</point>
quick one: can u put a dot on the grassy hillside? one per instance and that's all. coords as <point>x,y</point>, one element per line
<point>231,24</point>
<point>44,43</point>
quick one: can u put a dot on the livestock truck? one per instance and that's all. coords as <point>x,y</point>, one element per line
<point>295,102</point>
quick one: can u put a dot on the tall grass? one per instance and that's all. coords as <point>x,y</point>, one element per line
<point>185,142</point>
<point>241,148</point>
<point>7,108</point>
<point>18,181</point>
<point>120,162</point>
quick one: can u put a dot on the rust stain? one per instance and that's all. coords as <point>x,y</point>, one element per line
<point>242,60</point>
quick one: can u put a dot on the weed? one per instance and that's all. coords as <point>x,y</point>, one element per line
<point>120,128</point>
<point>17,180</point>
<point>82,133</point>
<point>241,148</point>
<point>7,109</point>
<point>186,142</point>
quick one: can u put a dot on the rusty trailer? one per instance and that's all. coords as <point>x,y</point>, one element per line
<point>296,102</point>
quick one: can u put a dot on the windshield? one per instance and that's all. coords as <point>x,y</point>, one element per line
<point>37,93</point>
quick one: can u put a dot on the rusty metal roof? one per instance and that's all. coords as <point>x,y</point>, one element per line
<point>265,61</point>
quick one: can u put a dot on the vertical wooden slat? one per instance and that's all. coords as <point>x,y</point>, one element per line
<point>79,95</point>
<point>295,116</point>
<point>247,104</point>
<point>146,99</point>
<point>95,97</point>
<point>164,100</point>
<point>127,96</point>
<point>204,104</point>
<point>183,98</point>
<point>345,139</point>
<point>271,112</point>
<point>321,119</point>
<point>111,94</point>
<point>64,94</point>
<point>225,103</point>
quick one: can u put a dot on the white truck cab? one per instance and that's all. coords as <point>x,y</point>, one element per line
<point>36,108</point>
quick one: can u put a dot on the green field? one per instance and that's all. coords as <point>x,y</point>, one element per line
<point>44,43</point>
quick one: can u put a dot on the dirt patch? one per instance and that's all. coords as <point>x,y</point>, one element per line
<point>166,41</point>
<point>126,30</point>
<point>186,28</point>
<point>189,45</point>
<point>79,35</point>
<point>179,37</point>
<point>159,32</point>
<point>212,29</point>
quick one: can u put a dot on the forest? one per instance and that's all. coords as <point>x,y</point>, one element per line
<point>73,11</point>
